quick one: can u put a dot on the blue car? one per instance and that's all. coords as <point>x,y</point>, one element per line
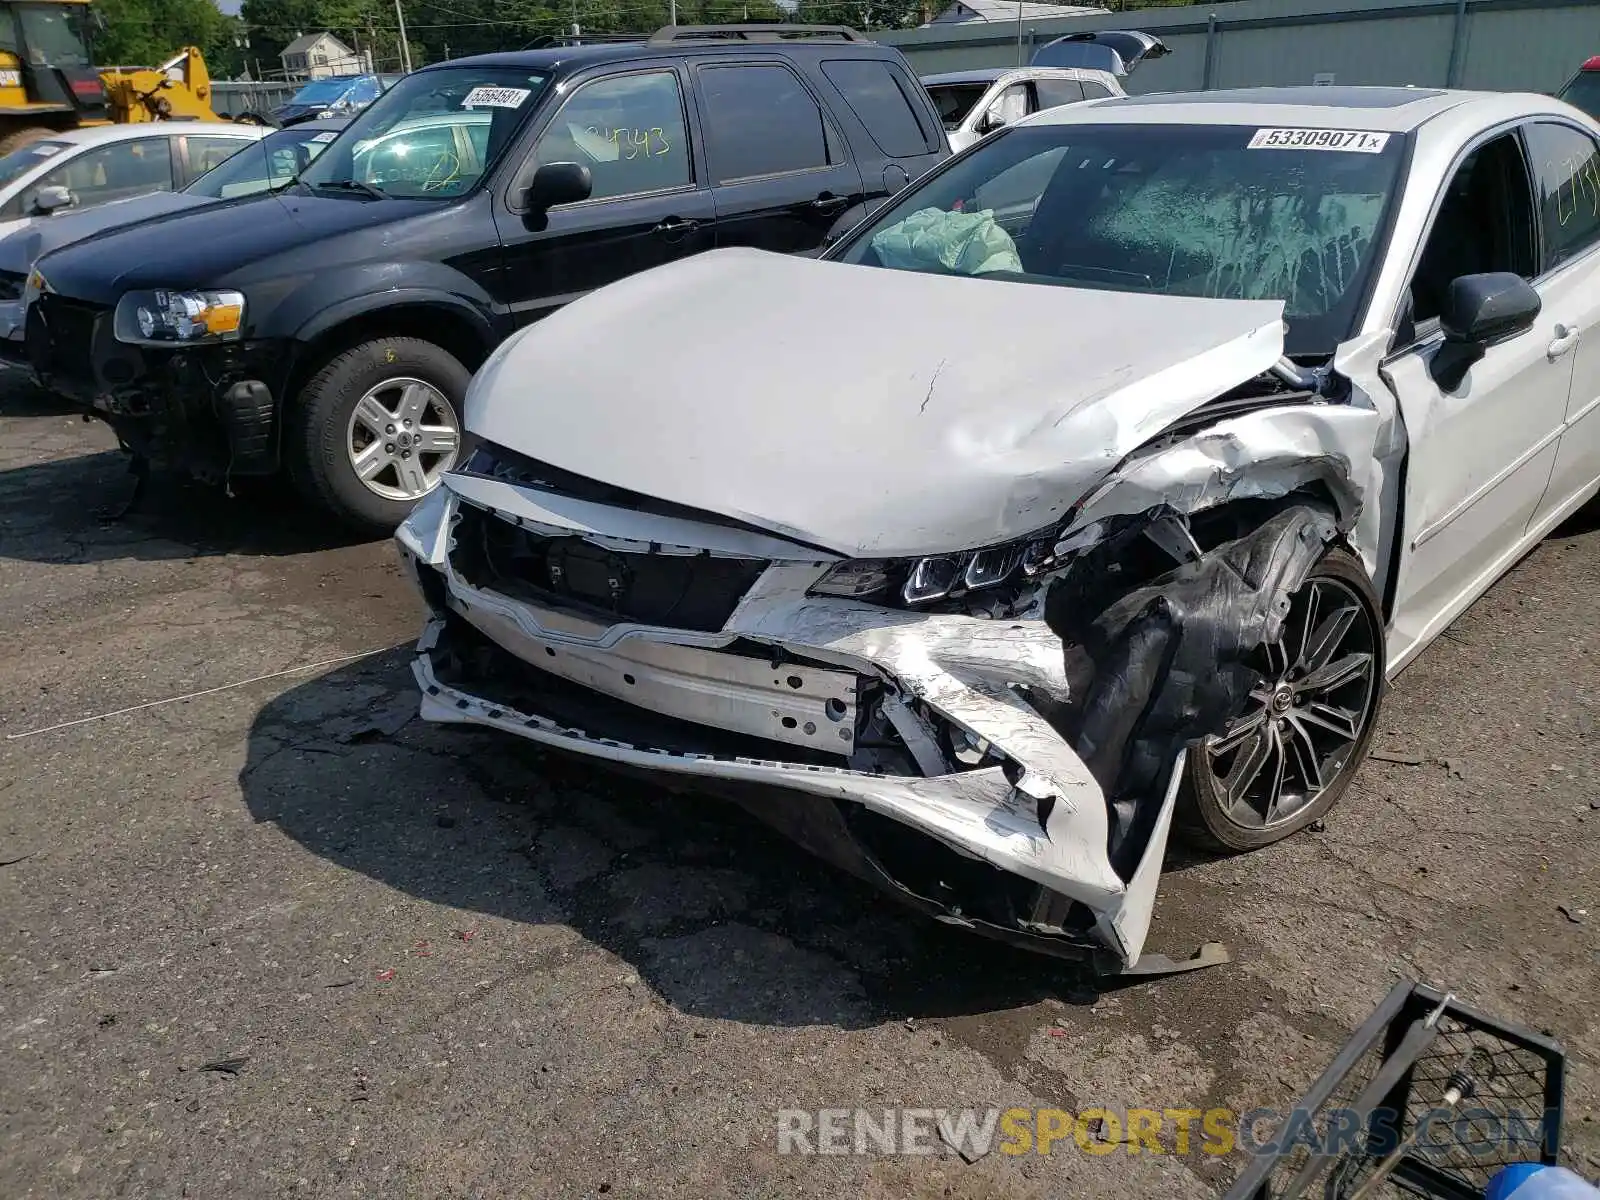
<point>335,96</point>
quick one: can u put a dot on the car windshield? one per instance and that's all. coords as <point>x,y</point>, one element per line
<point>431,136</point>
<point>271,163</point>
<point>1229,212</point>
<point>19,162</point>
<point>1584,92</point>
<point>322,91</point>
<point>52,34</point>
<point>955,100</point>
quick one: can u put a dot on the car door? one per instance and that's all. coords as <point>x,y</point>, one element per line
<point>896,137</point>
<point>1566,171</point>
<point>115,171</point>
<point>780,172</point>
<point>1480,453</point>
<point>650,203</point>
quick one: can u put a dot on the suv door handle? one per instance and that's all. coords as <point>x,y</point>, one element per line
<point>828,202</point>
<point>674,227</point>
<point>1566,338</point>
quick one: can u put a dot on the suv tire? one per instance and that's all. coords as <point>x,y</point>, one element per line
<point>394,380</point>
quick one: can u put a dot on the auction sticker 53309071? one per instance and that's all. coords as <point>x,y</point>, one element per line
<point>1357,141</point>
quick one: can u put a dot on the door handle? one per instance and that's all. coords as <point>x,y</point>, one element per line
<point>827,202</point>
<point>1566,338</point>
<point>675,227</point>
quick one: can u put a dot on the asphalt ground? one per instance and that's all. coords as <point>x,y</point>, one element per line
<point>281,938</point>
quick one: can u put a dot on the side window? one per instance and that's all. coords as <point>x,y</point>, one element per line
<point>1096,91</point>
<point>1011,105</point>
<point>365,91</point>
<point>112,172</point>
<point>1056,92</point>
<point>874,95</point>
<point>1566,172</point>
<point>1484,223</point>
<point>207,152</point>
<point>759,120</point>
<point>627,129</point>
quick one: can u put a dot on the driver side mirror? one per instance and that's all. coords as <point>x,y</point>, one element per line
<point>1480,311</point>
<point>557,183</point>
<point>990,121</point>
<point>51,198</point>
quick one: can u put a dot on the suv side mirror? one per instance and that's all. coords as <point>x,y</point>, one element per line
<point>557,183</point>
<point>50,198</point>
<point>1480,311</point>
<point>990,121</point>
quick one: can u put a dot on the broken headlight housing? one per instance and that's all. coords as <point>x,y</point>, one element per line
<point>920,581</point>
<point>168,318</point>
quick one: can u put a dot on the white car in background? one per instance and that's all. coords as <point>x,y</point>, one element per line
<point>86,167</point>
<point>1098,482</point>
<point>973,103</point>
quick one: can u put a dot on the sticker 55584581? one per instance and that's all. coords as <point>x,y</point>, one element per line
<point>1355,141</point>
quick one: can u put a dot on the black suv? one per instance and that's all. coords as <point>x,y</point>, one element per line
<point>330,328</point>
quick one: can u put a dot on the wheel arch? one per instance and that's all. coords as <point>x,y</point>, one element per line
<point>448,323</point>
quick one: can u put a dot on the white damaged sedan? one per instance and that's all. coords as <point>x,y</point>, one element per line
<point>1095,484</point>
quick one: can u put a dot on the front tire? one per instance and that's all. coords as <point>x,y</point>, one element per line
<point>1289,757</point>
<point>376,428</point>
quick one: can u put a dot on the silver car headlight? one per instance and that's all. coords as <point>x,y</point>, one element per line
<point>919,581</point>
<point>163,318</point>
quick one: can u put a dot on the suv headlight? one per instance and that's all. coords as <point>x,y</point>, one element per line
<point>162,318</point>
<point>918,581</point>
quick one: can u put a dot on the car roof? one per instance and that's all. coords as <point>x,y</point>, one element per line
<point>99,135</point>
<point>984,75</point>
<point>556,59</point>
<point>1381,109</point>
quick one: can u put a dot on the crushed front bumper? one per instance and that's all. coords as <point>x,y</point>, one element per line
<point>209,409</point>
<point>909,748</point>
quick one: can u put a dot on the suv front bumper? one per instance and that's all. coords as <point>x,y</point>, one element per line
<point>210,409</point>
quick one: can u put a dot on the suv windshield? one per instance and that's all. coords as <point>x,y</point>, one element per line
<point>432,136</point>
<point>52,34</point>
<point>1583,91</point>
<point>1230,212</point>
<point>272,162</point>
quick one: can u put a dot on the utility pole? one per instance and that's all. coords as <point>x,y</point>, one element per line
<point>673,19</point>
<point>1019,32</point>
<point>405,46</point>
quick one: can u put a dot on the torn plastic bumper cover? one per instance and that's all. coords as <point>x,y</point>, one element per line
<point>1014,774</point>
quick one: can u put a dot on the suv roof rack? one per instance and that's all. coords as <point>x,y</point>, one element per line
<point>548,41</point>
<point>752,33</point>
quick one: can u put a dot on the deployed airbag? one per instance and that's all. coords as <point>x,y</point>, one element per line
<point>958,242</point>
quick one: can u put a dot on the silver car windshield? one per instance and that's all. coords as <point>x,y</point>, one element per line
<point>1183,210</point>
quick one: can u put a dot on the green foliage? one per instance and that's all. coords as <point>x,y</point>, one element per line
<point>146,32</point>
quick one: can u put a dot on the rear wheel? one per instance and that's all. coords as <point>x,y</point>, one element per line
<point>1286,760</point>
<point>19,138</point>
<point>379,425</point>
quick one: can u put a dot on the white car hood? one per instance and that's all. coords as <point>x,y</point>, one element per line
<point>872,412</point>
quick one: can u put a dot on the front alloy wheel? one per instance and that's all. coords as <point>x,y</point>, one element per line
<point>376,428</point>
<point>1288,757</point>
<point>403,436</point>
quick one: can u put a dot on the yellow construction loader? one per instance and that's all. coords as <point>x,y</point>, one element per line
<point>48,82</point>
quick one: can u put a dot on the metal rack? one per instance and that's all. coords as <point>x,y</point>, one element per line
<point>1430,1097</point>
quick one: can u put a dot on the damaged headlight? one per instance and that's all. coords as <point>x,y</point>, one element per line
<point>939,576</point>
<point>163,318</point>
